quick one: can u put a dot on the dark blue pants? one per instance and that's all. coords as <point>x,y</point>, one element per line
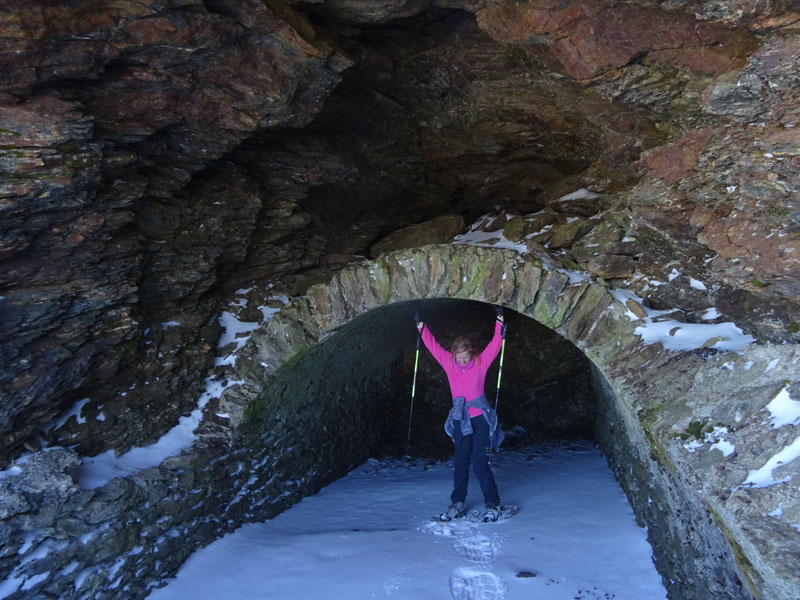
<point>475,448</point>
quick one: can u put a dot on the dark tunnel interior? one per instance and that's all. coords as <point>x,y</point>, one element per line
<point>358,382</point>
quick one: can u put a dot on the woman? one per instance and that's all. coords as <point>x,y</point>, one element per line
<point>472,424</point>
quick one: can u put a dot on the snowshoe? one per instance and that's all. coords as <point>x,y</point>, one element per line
<point>492,514</point>
<point>503,513</point>
<point>454,511</point>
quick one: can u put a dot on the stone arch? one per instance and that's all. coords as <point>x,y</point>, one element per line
<point>665,420</point>
<point>642,413</point>
<point>649,394</point>
<point>580,310</point>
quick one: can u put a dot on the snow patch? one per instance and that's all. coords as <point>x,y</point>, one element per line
<point>764,477</point>
<point>74,411</point>
<point>98,470</point>
<point>698,285</point>
<point>783,409</point>
<point>34,579</point>
<point>580,194</point>
<point>488,239</point>
<point>717,441</point>
<point>239,332</point>
<point>577,532</point>
<point>675,335</point>
<point>10,472</point>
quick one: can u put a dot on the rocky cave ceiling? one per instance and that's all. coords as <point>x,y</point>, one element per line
<point>158,154</point>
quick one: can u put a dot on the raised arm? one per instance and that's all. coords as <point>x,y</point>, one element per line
<point>493,347</point>
<point>441,355</point>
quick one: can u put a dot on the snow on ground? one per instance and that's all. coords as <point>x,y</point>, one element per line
<point>369,535</point>
<point>580,194</point>
<point>764,476</point>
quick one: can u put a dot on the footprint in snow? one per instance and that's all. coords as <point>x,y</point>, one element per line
<point>456,529</point>
<point>477,548</point>
<point>474,584</point>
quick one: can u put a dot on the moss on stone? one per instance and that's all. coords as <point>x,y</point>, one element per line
<point>695,429</point>
<point>794,327</point>
<point>658,453</point>
<point>257,407</point>
<point>479,274</point>
<point>647,415</point>
<point>746,568</point>
<point>384,280</point>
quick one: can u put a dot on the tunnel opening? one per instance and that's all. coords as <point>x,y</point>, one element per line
<point>336,403</point>
<point>353,390</point>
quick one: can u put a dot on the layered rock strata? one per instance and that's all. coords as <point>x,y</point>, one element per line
<point>158,157</point>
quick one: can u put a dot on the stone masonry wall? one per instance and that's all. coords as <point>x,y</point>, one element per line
<point>666,416</point>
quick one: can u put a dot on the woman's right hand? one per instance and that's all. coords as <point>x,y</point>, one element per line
<point>420,325</point>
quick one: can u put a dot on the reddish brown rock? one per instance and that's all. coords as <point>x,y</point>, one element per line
<point>756,248</point>
<point>674,161</point>
<point>589,37</point>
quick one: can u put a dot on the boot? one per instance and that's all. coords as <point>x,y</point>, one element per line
<point>454,511</point>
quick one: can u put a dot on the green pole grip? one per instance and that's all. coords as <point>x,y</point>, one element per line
<point>500,367</point>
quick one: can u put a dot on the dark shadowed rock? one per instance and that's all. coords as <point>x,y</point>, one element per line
<point>440,230</point>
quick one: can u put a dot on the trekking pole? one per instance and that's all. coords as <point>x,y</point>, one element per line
<point>413,384</point>
<point>499,312</point>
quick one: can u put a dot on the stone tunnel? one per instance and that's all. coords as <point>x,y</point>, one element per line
<point>323,385</point>
<point>218,216</point>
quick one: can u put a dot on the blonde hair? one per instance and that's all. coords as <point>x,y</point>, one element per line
<point>463,344</point>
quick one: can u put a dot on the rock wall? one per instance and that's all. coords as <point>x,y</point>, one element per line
<point>158,157</point>
<point>667,436</point>
<point>150,170</point>
<point>684,430</point>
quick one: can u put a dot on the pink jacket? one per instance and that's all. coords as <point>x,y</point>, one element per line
<point>467,381</point>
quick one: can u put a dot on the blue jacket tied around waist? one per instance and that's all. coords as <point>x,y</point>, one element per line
<point>459,413</point>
